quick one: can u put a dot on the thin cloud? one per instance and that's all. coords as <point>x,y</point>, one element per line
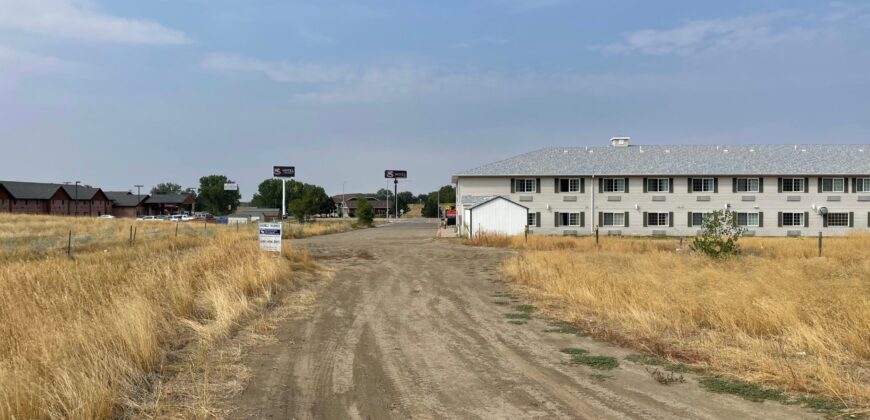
<point>479,42</point>
<point>316,38</point>
<point>707,36</point>
<point>281,71</point>
<point>71,20</point>
<point>521,6</point>
<point>12,60</point>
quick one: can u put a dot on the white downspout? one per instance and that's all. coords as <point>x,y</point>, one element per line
<point>592,208</point>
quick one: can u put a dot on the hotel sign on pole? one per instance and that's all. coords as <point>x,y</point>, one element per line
<point>284,171</point>
<point>393,173</point>
<point>270,237</point>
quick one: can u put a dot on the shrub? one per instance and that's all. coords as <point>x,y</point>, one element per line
<point>365,213</point>
<point>719,235</point>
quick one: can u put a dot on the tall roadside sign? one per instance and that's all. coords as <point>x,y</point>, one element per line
<point>395,174</point>
<point>270,237</point>
<point>283,172</point>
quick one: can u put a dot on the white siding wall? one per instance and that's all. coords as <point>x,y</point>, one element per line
<point>680,202</point>
<point>497,217</point>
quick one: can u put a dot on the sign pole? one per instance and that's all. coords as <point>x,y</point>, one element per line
<point>396,196</point>
<point>283,197</point>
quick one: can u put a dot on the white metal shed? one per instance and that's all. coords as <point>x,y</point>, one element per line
<point>496,215</point>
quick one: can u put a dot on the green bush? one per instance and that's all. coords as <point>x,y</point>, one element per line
<point>719,235</point>
<point>365,213</point>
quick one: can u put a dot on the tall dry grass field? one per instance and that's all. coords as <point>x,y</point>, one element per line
<point>778,315</point>
<point>79,337</point>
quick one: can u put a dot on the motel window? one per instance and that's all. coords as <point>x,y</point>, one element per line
<point>525,185</point>
<point>747,219</point>
<point>613,219</point>
<point>657,185</point>
<point>862,185</point>
<point>792,219</point>
<point>570,219</point>
<point>838,219</point>
<point>793,185</point>
<point>657,219</point>
<point>833,185</point>
<point>532,220</point>
<point>703,185</point>
<point>747,185</point>
<point>698,219</point>
<point>614,184</point>
<point>569,185</point>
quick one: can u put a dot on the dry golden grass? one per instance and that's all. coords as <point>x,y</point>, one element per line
<point>324,227</point>
<point>80,337</point>
<point>778,315</point>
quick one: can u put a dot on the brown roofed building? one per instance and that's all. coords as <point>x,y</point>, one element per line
<point>349,202</point>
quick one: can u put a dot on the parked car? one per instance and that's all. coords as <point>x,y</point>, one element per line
<point>149,218</point>
<point>107,216</point>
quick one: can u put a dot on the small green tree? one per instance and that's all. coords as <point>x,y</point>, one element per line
<point>719,235</point>
<point>365,213</point>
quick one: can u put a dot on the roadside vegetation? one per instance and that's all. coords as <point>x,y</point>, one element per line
<point>777,315</point>
<point>89,336</point>
<point>320,227</point>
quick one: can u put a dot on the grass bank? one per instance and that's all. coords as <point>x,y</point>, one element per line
<point>778,315</point>
<point>80,337</point>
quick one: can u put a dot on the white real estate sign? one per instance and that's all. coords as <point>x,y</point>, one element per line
<point>270,237</point>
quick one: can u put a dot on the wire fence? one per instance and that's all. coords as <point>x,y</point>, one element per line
<point>72,241</point>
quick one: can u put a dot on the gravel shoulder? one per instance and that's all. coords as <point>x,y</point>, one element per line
<point>415,327</point>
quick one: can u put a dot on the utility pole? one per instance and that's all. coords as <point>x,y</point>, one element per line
<point>138,197</point>
<point>439,204</point>
<point>343,203</point>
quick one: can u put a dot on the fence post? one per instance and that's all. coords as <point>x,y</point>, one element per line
<point>135,231</point>
<point>596,236</point>
<point>69,245</point>
<point>820,244</point>
<point>205,227</point>
<point>131,234</point>
<point>176,230</point>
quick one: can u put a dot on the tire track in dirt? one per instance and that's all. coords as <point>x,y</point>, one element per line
<point>408,329</point>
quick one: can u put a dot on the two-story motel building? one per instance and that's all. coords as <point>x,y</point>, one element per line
<point>624,189</point>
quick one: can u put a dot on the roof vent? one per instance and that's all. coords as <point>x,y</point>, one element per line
<point>619,141</point>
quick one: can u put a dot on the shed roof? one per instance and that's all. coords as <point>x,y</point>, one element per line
<point>30,190</point>
<point>472,201</point>
<point>749,159</point>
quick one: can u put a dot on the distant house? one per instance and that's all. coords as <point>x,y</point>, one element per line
<point>36,198</point>
<point>127,204</point>
<point>162,204</point>
<point>346,204</point>
<point>253,215</point>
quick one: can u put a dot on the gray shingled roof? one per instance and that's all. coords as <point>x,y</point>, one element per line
<point>125,198</point>
<point>759,159</point>
<point>30,190</point>
<point>84,193</point>
<point>168,198</point>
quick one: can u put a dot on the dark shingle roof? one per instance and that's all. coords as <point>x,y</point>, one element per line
<point>125,198</point>
<point>169,199</point>
<point>759,159</point>
<point>84,193</point>
<point>30,190</point>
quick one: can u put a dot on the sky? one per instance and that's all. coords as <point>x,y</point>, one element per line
<point>120,93</point>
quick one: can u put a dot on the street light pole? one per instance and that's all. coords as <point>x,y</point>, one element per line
<point>343,203</point>
<point>138,198</point>
<point>77,197</point>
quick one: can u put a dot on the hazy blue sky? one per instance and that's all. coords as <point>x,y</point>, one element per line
<point>143,91</point>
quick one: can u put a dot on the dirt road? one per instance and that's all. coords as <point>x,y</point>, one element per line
<point>410,328</point>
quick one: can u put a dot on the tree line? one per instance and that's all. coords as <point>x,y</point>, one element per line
<point>304,201</point>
